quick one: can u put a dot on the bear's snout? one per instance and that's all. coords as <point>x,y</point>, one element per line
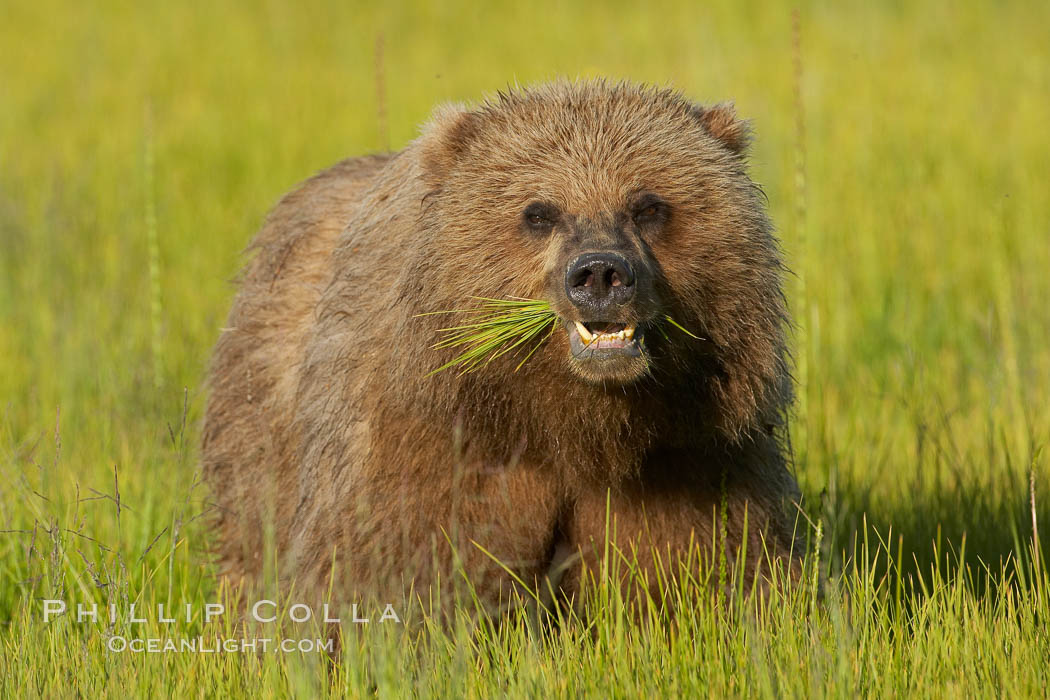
<point>598,282</point>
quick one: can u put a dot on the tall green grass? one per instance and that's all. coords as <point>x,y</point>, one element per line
<point>922,243</point>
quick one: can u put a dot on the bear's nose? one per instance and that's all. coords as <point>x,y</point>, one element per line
<point>597,280</point>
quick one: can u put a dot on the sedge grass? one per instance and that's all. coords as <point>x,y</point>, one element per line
<point>501,326</point>
<point>498,327</point>
<point>682,328</point>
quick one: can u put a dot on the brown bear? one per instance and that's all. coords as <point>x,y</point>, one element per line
<point>622,206</point>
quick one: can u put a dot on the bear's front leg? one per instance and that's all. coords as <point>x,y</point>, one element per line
<point>681,511</point>
<point>415,524</point>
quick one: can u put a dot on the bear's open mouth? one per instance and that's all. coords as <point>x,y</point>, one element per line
<point>604,339</point>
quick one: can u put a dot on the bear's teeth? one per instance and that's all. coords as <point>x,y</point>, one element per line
<point>587,337</point>
<point>585,334</point>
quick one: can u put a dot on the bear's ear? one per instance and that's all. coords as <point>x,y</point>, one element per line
<point>445,139</point>
<point>722,123</point>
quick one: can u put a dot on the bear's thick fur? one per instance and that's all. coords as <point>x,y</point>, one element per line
<point>326,437</point>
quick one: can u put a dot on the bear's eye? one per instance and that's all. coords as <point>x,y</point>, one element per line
<point>540,216</point>
<point>649,208</point>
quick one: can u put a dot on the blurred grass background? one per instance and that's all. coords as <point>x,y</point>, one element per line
<point>142,143</point>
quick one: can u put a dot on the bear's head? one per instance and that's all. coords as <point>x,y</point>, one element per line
<point>629,210</point>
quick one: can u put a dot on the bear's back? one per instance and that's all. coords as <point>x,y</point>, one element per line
<point>253,377</point>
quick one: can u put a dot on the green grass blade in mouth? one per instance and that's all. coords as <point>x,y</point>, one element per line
<point>494,328</point>
<point>536,346</point>
<point>680,327</point>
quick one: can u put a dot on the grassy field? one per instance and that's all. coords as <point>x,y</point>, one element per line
<point>905,153</point>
